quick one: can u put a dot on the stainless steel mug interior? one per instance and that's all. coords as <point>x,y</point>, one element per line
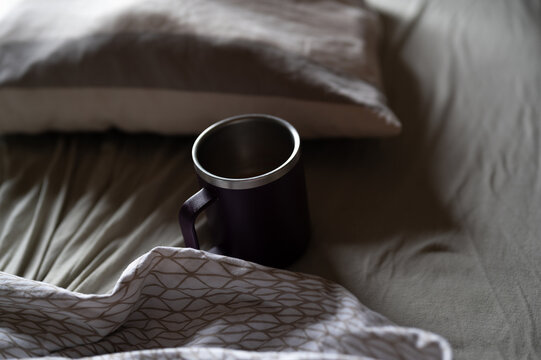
<point>245,152</point>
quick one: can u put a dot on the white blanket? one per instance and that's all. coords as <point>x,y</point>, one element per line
<point>192,304</point>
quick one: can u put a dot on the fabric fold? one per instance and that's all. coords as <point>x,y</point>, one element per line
<point>190,303</point>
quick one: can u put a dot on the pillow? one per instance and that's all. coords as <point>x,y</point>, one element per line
<point>175,67</point>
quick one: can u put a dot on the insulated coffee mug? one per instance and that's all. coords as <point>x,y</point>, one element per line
<point>252,180</point>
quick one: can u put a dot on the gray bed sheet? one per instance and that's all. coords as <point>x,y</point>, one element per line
<point>439,228</point>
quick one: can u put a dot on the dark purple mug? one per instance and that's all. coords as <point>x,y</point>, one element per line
<point>250,170</point>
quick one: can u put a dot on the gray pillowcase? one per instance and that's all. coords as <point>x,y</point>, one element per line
<point>175,67</point>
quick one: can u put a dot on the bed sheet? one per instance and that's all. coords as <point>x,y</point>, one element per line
<point>439,228</point>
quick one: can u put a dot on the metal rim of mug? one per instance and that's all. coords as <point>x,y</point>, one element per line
<point>251,182</point>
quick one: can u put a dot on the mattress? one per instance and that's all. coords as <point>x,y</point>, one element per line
<point>437,228</point>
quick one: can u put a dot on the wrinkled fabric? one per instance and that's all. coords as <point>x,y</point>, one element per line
<point>185,300</point>
<point>437,229</point>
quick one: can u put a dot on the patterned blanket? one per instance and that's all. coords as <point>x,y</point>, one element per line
<point>190,304</point>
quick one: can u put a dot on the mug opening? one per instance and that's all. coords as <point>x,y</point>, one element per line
<point>246,151</point>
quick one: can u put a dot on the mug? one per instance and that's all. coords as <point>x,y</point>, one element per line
<point>253,190</point>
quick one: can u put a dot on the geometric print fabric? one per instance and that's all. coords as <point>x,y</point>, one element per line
<point>189,304</point>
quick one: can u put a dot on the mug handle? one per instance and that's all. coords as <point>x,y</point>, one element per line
<point>188,214</point>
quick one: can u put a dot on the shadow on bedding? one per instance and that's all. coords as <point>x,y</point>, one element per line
<point>80,207</point>
<point>376,210</point>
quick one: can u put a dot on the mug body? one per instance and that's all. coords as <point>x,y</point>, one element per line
<point>268,225</point>
<point>252,166</point>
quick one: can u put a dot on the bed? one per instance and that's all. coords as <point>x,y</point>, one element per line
<point>437,228</point>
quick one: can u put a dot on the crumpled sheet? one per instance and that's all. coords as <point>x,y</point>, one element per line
<point>438,228</point>
<point>191,304</point>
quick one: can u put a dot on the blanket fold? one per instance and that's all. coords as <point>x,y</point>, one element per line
<point>190,304</point>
